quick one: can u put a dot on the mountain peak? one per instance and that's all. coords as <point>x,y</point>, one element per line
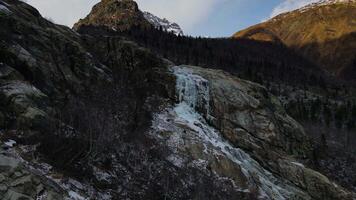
<point>115,14</point>
<point>163,23</point>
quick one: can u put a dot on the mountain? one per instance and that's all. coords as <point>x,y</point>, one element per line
<point>93,115</point>
<point>117,14</point>
<point>324,32</point>
<point>163,23</point>
<point>122,15</point>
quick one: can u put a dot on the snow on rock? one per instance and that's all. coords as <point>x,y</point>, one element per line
<point>10,143</point>
<point>4,9</point>
<point>75,196</point>
<point>298,164</point>
<point>102,175</point>
<point>164,23</point>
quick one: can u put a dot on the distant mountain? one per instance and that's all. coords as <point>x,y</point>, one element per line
<point>163,23</point>
<point>324,32</point>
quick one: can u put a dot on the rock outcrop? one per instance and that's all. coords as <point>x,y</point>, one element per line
<point>18,182</point>
<point>119,15</point>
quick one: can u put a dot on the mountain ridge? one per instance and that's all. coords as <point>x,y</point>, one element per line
<point>311,29</point>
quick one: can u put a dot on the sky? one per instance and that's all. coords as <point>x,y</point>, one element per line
<point>210,18</point>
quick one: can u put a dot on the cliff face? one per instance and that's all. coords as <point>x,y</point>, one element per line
<point>323,32</point>
<point>96,116</point>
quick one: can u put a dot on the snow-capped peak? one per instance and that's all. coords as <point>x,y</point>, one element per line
<point>164,23</point>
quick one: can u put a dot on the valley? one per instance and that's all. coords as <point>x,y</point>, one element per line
<point>124,106</point>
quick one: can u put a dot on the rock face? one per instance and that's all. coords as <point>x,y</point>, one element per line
<point>118,15</point>
<point>35,73</point>
<point>98,117</point>
<point>17,182</point>
<point>163,24</point>
<point>323,32</point>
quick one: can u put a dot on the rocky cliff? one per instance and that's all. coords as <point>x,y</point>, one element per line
<point>95,116</point>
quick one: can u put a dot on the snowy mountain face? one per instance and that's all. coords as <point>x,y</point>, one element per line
<point>164,23</point>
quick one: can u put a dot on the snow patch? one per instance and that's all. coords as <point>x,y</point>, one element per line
<point>10,143</point>
<point>4,9</point>
<point>175,160</point>
<point>42,196</point>
<point>102,175</point>
<point>298,164</point>
<point>75,196</point>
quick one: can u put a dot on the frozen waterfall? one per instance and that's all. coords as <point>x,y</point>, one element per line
<point>193,92</point>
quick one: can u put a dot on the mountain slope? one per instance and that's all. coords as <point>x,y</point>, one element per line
<point>324,32</point>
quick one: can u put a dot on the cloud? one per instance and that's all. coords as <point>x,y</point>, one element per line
<point>187,13</point>
<point>289,5</point>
